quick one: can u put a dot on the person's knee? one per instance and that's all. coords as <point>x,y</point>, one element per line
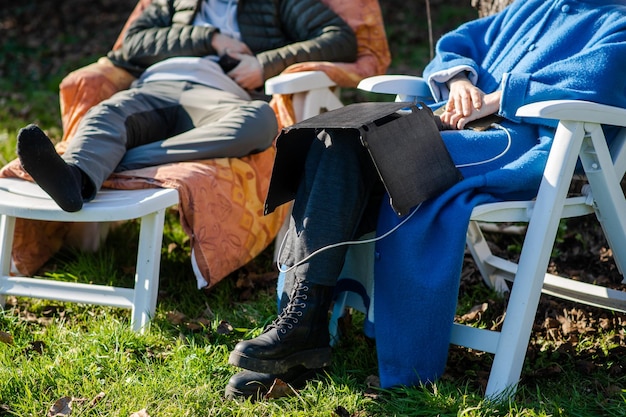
<point>267,115</point>
<point>261,124</point>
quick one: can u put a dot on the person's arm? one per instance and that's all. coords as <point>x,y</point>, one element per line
<point>583,59</point>
<point>460,52</point>
<point>311,32</point>
<point>595,73</point>
<point>314,33</point>
<point>153,37</point>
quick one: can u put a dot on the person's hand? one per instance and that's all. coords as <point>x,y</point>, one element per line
<point>248,73</point>
<point>467,103</point>
<point>224,44</point>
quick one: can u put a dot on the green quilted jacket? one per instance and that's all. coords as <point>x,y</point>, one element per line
<point>279,33</point>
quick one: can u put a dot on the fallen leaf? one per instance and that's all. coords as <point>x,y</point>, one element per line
<point>62,407</point>
<point>36,346</point>
<point>97,399</point>
<point>373,383</point>
<point>551,323</point>
<point>204,322</point>
<point>140,413</point>
<point>224,327</point>
<point>6,338</point>
<point>585,367</point>
<point>606,324</point>
<point>280,389</point>
<point>171,247</point>
<point>10,301</point>
<point>548,371</point>
<point>341,412</point>
<point>50,311</point>
<point>244,281</point>
<point>475,312</point>
<point>193,326</point>
<point>45,321</point>
<point>176,317</point>
<point>30,317</point>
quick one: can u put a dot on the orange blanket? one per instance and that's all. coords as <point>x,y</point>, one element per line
<point>221,200</point>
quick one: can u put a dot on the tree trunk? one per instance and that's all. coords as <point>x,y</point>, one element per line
<point>488,7</point>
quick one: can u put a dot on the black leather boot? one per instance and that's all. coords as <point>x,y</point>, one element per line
<point>299,336</point>
<point>254,385</point>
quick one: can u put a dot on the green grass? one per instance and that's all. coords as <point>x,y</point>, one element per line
<point>50,350</point>
<point>179,367</point>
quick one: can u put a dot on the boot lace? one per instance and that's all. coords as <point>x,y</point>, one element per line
<point>290,316</point>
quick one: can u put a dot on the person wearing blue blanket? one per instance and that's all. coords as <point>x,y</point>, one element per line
<point>534,50</point>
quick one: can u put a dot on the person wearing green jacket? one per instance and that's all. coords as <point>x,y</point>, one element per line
<point>200,68</point>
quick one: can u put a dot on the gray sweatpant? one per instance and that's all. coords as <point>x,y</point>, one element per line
<point>168,121</point>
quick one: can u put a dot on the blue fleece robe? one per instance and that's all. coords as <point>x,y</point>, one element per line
<point>532,51</point>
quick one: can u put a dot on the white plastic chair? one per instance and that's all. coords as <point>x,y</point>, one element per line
<point>579,136</point>
<point>313,91</point>
<point>23,199</point>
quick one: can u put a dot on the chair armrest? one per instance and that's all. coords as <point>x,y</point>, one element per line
<point>406,87</point>
<point>575,110</point>
<point>298,82</point>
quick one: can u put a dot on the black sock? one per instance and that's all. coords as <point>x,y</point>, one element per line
<point>40,159</point>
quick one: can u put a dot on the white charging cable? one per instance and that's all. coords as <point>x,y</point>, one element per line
<point>500,155</point>
<point>336,245</point>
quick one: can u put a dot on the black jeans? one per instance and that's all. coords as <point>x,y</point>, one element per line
<point>337,200</point>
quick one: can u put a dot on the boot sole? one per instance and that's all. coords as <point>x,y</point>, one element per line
<point>311,359</point>
<point>254,393</point>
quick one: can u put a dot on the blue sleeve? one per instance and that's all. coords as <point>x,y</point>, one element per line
<point>464,49</point>
<point>465,46</point>
<point>595,73</point>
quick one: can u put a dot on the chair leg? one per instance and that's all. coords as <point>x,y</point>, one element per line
<point>533,262</point>
<point>7,228</point>
<point>607,193</point>
<point>147,273</point>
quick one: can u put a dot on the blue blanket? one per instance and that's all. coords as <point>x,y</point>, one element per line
<point>417,269</point>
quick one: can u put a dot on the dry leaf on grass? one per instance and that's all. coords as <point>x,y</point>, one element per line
<point>176,317</point>
<point>280,389</point>
<point>341,412</point>
<point>140,413</point>
<point>193,326</point>
<point>36,346</point>
<point>224,327</point>
<point>373,384</point>
<point>204,322</point>
<point>475,313</point>
<point>62,407</point>
<point>6,338</point>
<point>97,399</point>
